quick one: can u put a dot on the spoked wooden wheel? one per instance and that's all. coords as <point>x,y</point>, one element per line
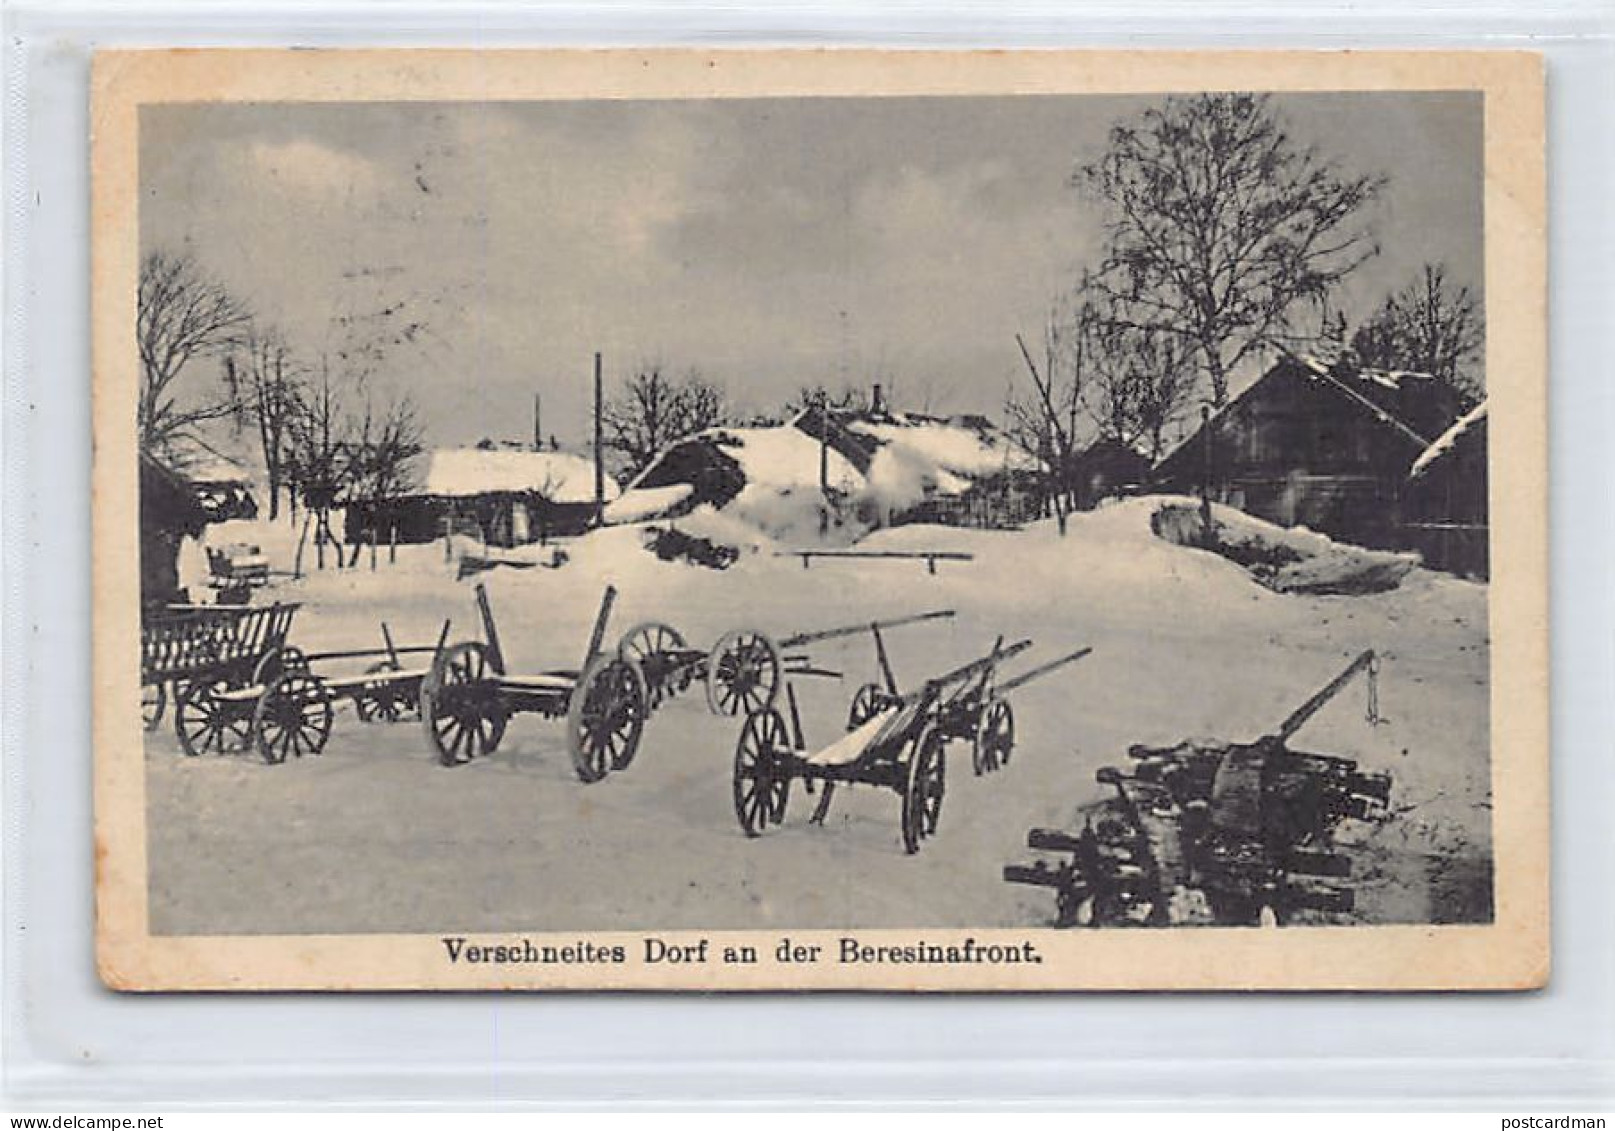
<point>460,706</point>
<point>866,704</point>
<point>208,724</point>
<point>743,673</point>
<point>277,661</point>
<point>922,792</point>
<point>293,717</point>
<point>762,781</point>
<point>606,717</point>
<point>384,702</point>
<point>995,738</point>
<point>153,702</point>
<point>654,647</point>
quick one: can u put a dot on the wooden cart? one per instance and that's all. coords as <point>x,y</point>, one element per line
<point>894,741</point>
<point>470,696</point>
<point>209,658</point>
<point>295,706</point>
<point>744,670</point>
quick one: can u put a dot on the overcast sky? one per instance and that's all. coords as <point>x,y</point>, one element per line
<point>769,243</point>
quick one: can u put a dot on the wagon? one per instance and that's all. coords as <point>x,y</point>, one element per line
<point>294,708</point>
<point>744,670</point>
<point>469,697</point>
<point>208,657</point>
<point>893,741</point>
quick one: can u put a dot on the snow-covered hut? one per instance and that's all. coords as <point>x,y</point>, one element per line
<point>504,494</point>
<point>881,467</point>
<point>170,512</point>
<point>1445,506</point>
<point>1309,443</point>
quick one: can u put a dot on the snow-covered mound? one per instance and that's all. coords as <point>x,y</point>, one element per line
<point>1295,560</point>
<point>776,477</point>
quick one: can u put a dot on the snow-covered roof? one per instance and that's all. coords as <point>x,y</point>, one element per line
<point>201,465</point>
<point>640,503</point>
<point>783,456</point>
<point>1447,440</point>
<point>560,477</point>
<point>946,446</point>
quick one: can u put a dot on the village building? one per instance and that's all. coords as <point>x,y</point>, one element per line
<point>223,487</point>
<point>1326,446</point>
<point>877,467</point>
<point>502,494</point>
<point>1445,506</point>
<point>170,512</point>
<point>1105,469</point>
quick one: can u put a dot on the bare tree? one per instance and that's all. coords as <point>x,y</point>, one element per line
<point>655,409</point>
<point>263,382</point>
<point>1139,381</point>
<point>848,398</point>
<point>382,442</point>
<point>319,452</point>
<point>181,314</point>
<point>1221,227</point>
<point>1431,327</point>
<point>386,439</point>
<point>1044,424</point>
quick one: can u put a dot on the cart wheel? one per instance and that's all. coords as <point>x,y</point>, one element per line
<point>743,673</point>
<point>995,738</point>
<point>460,705</point>
<point>383,703</point>
<point>866,704</point>
<point>274,662</point>
<point>762,781</point>
<point>153,702</point>
<point>293,717</point>
<point>922,793</point>
<point>606,717</point>
<point>206,724</point>
<point>651,646</point>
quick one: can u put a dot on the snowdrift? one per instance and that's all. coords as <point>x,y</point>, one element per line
<point>1286,561</point>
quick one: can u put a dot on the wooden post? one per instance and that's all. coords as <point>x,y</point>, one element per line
<point>392,543</point>
<point>599,449</point>
<point>302,538</point>
<point>1208,532</point>
<point>597,635</point>
<point>538,422</point>
<point>824,463</point>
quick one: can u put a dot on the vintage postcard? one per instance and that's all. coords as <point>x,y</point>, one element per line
<point>820,520</point>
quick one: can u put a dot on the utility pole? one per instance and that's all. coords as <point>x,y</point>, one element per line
<point>599,449</point>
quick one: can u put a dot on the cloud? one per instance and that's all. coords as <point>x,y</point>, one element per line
<point>309,168</point>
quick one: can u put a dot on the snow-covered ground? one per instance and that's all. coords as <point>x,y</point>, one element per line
<point>375,836</point>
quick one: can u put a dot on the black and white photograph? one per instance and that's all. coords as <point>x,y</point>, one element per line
<point>887,533</point>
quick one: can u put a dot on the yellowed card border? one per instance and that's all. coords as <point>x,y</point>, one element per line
<point>1511,953</point>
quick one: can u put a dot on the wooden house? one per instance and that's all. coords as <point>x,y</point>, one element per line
<point>1107,468</point>
<point>170,512</point>
<point>1318,445</point>
<point>503,495</point>
<point>1445,506</point>
<point>887,468</point>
